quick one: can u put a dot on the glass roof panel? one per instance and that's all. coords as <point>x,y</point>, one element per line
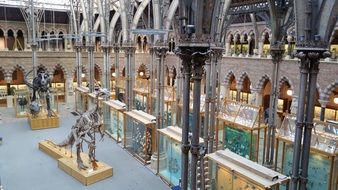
<point>47,4</point>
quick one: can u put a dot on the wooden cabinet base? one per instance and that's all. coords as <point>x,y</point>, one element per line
<point>50,148</point>
<point>88,176</point>
<point>43,122</point>
<point>67,162</point>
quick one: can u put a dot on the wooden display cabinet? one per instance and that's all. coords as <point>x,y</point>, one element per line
<point>21,102</point>
<point>81,99</point>
<point>140,135</point>
<point>233,172</point>
<point>142,94</point>
<point>239,129</point>
<point>115,126</point>
<point>169,105</point>
<point>323,160</point>
<point>169,164</point>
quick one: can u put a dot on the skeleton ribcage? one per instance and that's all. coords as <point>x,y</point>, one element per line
<point>87,118</point>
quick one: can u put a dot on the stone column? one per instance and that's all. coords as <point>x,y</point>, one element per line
<point>239,90</point>
<point>5,39</point>
<point>288,56</point>
<point>48,43</point>
<point>241,40</point>
<point>269,56</point>
<point>117,69</point>
<point>130,76</point>
<point>277,52</point>
<point>323,104</point>
<point>249,46</point>
<point>27,45</point>
<point>228,46</point>
<point>260,46</point>
<point>69,92</point>
<point>256,97</point>
<point>10,96</point>
<point>160,51</point>
<point>15,36</point>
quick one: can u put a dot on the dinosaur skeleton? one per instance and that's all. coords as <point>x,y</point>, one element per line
<point>85,129</point>
<point>40,85</point>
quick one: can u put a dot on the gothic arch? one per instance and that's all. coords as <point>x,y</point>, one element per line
<point>261,83</point>
<point>328,90</point>
<point>19,67</point>
<point>59,66</point>
<point>227,79</point>
<point>285,79</point>
<point>242,78</point>
<point>145,68</point>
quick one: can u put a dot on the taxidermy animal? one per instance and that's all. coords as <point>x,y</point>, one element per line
<point>85,130</point>
<point>40,85</point>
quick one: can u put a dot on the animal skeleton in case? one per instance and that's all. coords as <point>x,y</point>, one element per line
<point>85,130</point>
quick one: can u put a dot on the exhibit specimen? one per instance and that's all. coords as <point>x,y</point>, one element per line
<point>85,130</point>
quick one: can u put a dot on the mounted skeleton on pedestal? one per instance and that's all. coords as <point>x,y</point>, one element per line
<point>84,131</point>
<point>41,84</point>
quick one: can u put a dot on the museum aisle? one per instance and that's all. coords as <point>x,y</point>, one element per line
<point>24,166</point>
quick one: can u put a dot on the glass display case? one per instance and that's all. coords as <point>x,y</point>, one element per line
<point>92,100</point>
<point>60,88</point>
<point>142,93</point>
<point>202,108</point>
<point>233,172</point>
<point>170,146</point>
<point>240,129</point>
<point>3,96</point>
<point>323,160</point>
<point>169,105</point>
<point>115,127</point>
<point>21,102</point>
<point>81,99</point>
<point>121,85</point>
<point>140,135</point>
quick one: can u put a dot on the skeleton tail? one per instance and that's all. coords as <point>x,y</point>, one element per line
<point>30,85</point>
<point>68,141</point>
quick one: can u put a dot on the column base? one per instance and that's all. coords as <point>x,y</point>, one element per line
<point>154,158</point>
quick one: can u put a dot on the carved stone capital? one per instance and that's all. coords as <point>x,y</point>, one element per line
<point>160,50</point>
<point>277,52</point>
<point>129,49</point>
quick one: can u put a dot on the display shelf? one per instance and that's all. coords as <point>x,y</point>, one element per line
<point>170,164</point>
<point>140,135</point>
<point>234,172</point>
<point>81,99</point>
<point>239,129</point>
<point>323,160</point>
<point>115,127</point>
<point>21,102</point>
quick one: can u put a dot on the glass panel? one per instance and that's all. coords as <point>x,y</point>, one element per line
<point>239,142</point>
<point>21,106</point>
<point>229,110</point>
<point>319,169</point>
<point>247,116</point>
<point>287,129</point>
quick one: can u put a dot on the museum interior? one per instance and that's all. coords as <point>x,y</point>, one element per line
<point>169,94</point>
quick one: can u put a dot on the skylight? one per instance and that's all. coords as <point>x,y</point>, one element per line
<point>46,4</point>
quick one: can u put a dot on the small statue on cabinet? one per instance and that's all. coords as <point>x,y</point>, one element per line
<point>85,130</point>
